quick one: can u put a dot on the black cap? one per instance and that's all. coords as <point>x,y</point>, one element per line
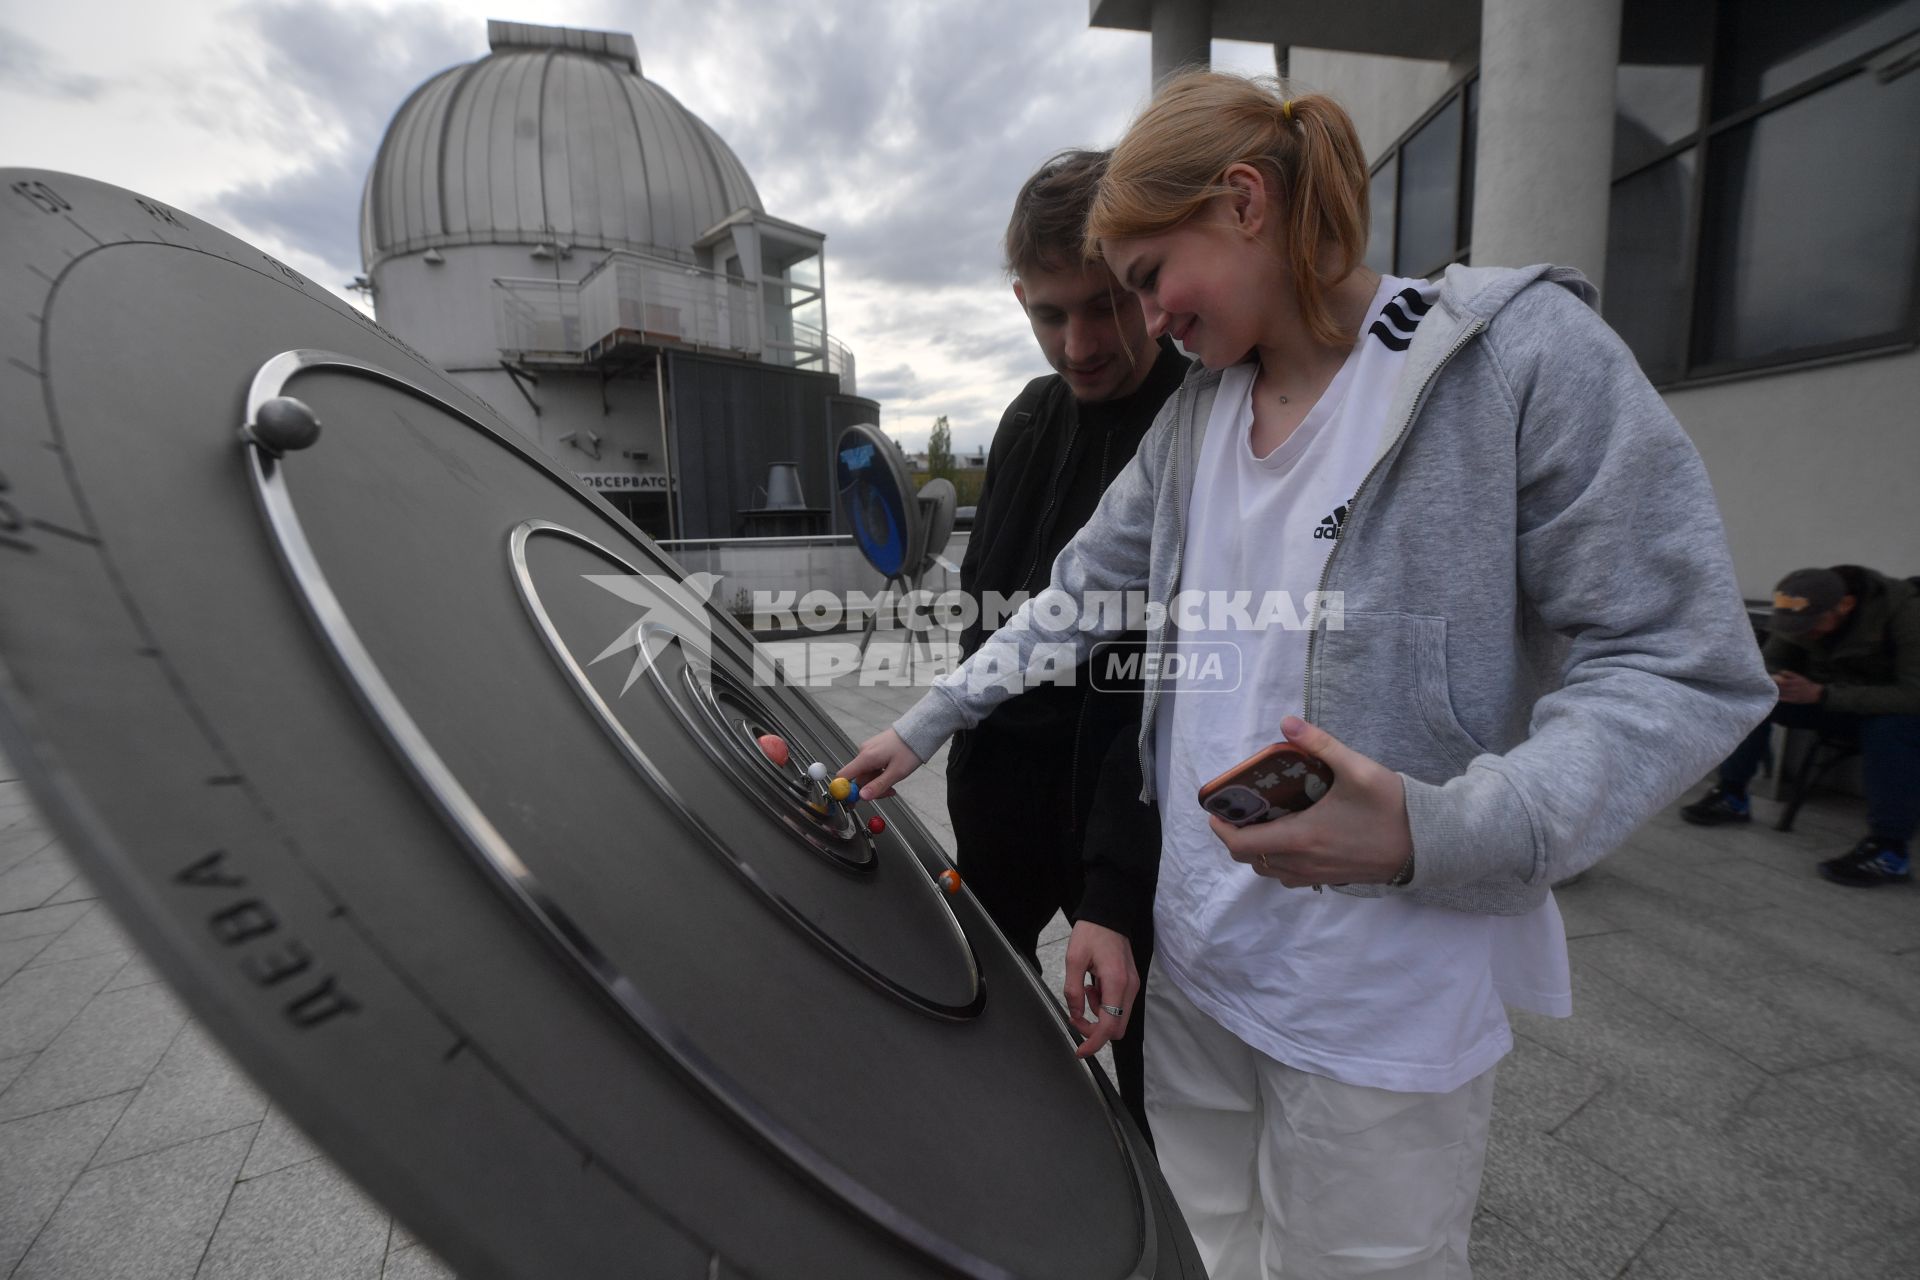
<point>1804,597</point>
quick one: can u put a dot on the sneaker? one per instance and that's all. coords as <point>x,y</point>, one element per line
<point>1718,806</point>
<point>1871,864</point>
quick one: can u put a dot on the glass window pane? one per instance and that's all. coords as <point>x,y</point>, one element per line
<point>1770,45</point>
<point>1810,237</point>
<point>1656,87</point>
<point>1380,203</point>
<point>1469,147</point>
<point>1430,194</point>
<point>1646,283</point>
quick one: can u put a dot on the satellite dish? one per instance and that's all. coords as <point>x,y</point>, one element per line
<point>938,502</point>
<point>434,788</point>
<point>876,492</point>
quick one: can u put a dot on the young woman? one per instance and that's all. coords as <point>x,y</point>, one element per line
<point>1522,637</point>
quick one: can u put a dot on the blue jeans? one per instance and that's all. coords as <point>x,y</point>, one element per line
<point>1889,753</point>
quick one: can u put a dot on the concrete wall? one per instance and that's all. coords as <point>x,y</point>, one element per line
<point>1818,466</point>
<point>570,403</point>
<point>446,312</point>
<point>1383,95</point>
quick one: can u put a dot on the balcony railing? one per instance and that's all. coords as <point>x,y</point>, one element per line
<point>632,300</point>
<point>538,319</point>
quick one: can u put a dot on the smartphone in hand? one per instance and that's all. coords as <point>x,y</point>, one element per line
<point>1276,780</point>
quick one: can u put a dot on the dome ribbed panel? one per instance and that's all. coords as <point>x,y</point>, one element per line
<point>738,183</point>
<point>601,187</point>
<point>553,144</point>
<point>421,155</point>
<point>660,174</point>
<point>382,200</point>
<point>556,137</point>
<point>519,203</point>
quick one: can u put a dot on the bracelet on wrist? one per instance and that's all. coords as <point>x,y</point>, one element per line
<point>1404,876</point>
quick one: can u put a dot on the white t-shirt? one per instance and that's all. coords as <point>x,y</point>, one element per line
<point>1370,991</point>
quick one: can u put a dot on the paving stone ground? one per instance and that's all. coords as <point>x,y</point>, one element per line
<point>1736,1096</point>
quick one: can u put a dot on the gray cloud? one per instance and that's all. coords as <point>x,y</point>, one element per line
<point>333,72</point>
<point>898,383</point>
<point>28,66</point>
<point>901,131</point>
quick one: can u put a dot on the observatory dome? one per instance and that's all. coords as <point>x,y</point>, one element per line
<point>554,136</point>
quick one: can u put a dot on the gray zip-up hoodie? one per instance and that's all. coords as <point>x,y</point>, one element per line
<point>1541,630</point>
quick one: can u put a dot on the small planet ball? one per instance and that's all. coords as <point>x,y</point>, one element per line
<point>775,748</point>
<point>817,771</point>
<point>284,424</point>
<point>876,824</point>
<point>950,880</point>
<point>839,788</point>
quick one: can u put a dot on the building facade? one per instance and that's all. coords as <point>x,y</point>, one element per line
<point>1740,177</point>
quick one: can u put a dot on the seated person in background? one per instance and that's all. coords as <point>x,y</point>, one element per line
<point>1845,651</point>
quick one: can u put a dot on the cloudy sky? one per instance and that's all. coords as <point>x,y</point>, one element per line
<point>901,128</point>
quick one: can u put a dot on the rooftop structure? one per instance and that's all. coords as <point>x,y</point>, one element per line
<point>561,234</point>
<point>553,138</point>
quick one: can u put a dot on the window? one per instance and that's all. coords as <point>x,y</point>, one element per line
<point>1766,183</point>
<point>1429,223</point>
<point>1382,193</point>
<point>1422,191</point>
<point>1646,296</point>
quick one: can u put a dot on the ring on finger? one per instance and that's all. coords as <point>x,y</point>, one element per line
<point>1264,868</point>
<point>1113,1009</point>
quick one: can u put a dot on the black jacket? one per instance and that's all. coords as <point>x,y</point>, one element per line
<point>1052,458</point>
<point>1871,665</point>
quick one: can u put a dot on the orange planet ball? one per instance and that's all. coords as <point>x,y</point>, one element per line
<point>950,880</point>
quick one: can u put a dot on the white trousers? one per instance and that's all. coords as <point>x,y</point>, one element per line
<point>1279,1172</point>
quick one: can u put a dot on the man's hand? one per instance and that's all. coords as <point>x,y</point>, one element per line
<point>884,760</point>
<point>1098,953</point>
<point>1356,834</point>
<point>1796,688</point>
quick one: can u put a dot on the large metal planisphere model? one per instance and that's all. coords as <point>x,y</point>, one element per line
<point>436,791</point>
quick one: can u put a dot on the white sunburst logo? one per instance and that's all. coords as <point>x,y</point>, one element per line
<point>673,608</point>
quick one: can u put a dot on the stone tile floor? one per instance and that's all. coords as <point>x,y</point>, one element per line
<point>1736,1096</point>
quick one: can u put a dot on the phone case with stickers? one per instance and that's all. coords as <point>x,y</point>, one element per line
<point>1277,780</point>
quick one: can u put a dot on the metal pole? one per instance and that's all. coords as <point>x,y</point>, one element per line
<point>666,444</point>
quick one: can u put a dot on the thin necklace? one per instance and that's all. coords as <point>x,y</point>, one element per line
<point>1257,376</point>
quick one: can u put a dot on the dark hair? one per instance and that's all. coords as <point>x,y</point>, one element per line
<point>1049,220</point>
<point>1171,162</point>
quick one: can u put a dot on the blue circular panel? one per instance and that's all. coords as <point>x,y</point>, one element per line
<point>875,492</point>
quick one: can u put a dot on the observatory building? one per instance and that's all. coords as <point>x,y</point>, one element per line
<point>564,237</point>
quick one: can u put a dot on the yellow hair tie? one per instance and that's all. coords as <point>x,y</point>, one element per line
<point>1286,110</point>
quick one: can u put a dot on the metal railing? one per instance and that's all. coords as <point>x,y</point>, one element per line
<point>537,318</point>
<point>633,298</point>
<point>630,298</point>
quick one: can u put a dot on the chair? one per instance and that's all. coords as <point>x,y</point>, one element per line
<point>1828,752</point>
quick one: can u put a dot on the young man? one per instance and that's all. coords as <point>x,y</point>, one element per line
<point>1845,650</point>
<point>1044,794</point>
